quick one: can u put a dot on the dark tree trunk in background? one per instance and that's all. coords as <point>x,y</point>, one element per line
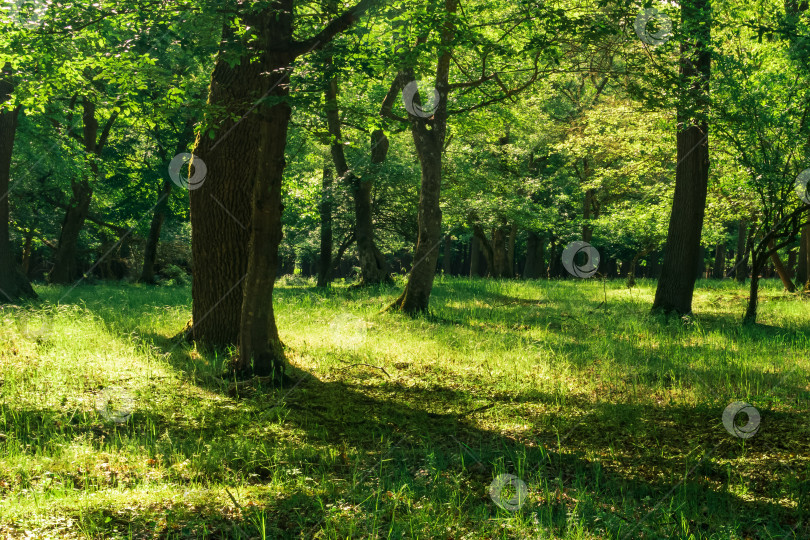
<point>500,260</point>
<point>802,278</point>
<point>510,252</point>
<point>325,211</point>
<point>676,286</point>
<point>587,231</point>
<point>65,268</point>
<point>373,266</point>
<point>534,256</point>
<point>13,283</point>
<point>780,268</point>
<point>741,271</point>
<point>475,257</point>
<point>719,268</point>
<point>700,268</point>
<point>654,264</point>
<point>447,262</point>
<point>159,215</point>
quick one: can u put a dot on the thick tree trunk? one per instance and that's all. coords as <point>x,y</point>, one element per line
<point>325,211</point>
<point>13,284</point>
<point>258,340</point>
<point>534,256</point>
<point>500,260</point>
<point>221,207</point>
<point>780,268</point>
<point>676,286</point>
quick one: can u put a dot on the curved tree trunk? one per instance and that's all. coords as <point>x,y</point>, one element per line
<point>682,251</point>
<point>13,283</point>
<point>780,268</point>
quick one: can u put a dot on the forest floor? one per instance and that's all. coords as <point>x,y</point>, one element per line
<point>401,428</point>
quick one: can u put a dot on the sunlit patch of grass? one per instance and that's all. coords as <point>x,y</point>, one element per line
<point>397,427</point>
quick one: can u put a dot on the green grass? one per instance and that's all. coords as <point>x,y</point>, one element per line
<point>397,427</point>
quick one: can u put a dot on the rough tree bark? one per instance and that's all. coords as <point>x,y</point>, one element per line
<point>13,283</point>
<point>676,286</point>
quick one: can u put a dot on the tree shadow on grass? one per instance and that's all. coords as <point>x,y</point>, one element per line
<point>608,465</point>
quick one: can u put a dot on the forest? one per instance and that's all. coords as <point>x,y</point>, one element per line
<point>405,269</point>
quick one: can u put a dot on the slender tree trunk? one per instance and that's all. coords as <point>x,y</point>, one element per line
<point>780,268</point>
<point>740,274</point>
<point>159,214</point>
<point>447,261</point>
<point>325,210</point>
<point>500,260</point>
<point>373,267</point>
<point>802,277</point>
<point>757,262</point>
<point>511,251</point>
<point>676,286</point>
<point>587,231</point>
<point>13,284</point>
<point>26,254</point>
<point>429,137</point>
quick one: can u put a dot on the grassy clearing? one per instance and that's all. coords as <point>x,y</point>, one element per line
<point>397,428</point>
